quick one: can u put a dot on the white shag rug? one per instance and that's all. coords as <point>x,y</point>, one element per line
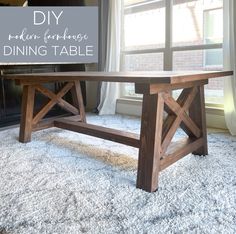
<point>64,182</point>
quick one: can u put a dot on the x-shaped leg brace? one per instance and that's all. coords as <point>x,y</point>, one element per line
<point>31,123</point>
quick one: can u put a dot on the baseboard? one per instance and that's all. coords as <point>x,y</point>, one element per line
<point>214,116</point>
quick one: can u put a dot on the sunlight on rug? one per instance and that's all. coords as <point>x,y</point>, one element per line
<point>64,182</point>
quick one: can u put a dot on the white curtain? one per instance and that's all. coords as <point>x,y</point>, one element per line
<point>229,48</point>
<point>111,91</point>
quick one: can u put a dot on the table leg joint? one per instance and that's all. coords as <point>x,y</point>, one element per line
<point>30,122</point>
<point>157,151</point>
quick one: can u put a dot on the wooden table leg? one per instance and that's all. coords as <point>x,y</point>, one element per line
<point>27,109</point>
<point>78,100</point>
<point>30,123</point>
<point>198,115</point>
<point>150,142</point>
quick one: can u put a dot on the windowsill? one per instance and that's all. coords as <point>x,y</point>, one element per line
<point>133,106</point>
<point>216,109</point>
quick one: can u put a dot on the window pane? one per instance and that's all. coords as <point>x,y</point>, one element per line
<point>213,58</point>
<point>197,22</point>
<point>128,90</point>
<point>198,60</point>
<point>141,62</point>
<point>203,60</point>
<point>144,30</point>
<point>214,91</point>
<point>213,26</point>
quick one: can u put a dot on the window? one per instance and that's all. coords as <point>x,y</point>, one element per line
<point>174,35</point>
<point>213,31</point>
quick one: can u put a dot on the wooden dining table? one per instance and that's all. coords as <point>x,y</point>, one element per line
<point>162,114</point>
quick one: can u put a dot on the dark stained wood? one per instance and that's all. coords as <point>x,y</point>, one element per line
<point>49,122</point>
<point>168,123</point>
<point>55,99</point>
<point>198,115</point>
<point>199,76</point>
<point>179,108</point>
<point>44,124</point>
<point>156,88</point>
<point>78,99</point>
<point>133,77</point>
<point>101,132</point>
<point>27,110</point>
<point>150,142</point>
<point>156,151</point>
<point>178,150</point>
<point>76,118</point>
<point>36,123</point>
<point>67,106</point>
<point>173,107</point>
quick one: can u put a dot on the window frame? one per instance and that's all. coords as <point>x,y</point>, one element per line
<point>169,49</point>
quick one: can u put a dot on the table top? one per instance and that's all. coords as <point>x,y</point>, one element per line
<point>145,77</point>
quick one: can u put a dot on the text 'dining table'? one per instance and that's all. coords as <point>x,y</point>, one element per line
<point>156,149</point>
